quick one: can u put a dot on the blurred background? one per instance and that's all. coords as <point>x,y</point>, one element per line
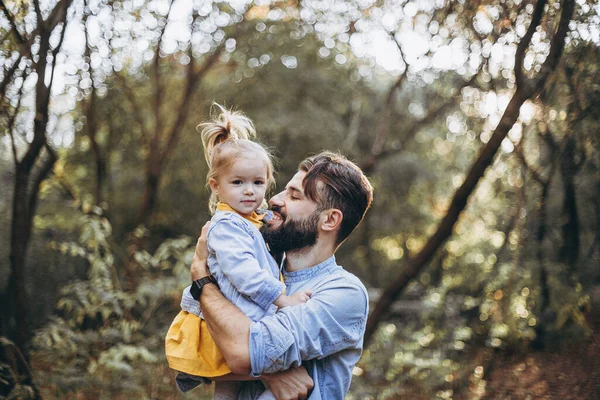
<point>476,121</point>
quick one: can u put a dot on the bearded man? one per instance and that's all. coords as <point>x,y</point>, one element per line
<point>308,350</point>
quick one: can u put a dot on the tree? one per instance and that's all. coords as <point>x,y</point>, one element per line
<point>32,167</point>
<point>526,88</point>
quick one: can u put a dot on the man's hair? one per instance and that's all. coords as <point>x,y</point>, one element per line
<point>345,188</point>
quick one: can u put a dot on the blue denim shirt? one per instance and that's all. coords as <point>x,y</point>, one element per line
<point>239,260</point>
<point>325,334</point>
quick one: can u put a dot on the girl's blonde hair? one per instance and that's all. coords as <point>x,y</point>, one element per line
<point>227,138</point>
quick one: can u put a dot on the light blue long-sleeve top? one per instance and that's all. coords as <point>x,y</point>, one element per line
<point>241,264</point>
<point>325,334</point>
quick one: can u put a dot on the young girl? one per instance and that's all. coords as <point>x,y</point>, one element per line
<point>239,173</point>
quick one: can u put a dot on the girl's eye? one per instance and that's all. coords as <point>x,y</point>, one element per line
<point>259,183</point>
<point>237,182</point>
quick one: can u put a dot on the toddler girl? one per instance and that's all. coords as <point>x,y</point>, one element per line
<point>240,172</point>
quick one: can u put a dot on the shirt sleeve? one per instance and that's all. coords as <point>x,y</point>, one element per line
<point>333,319</point>
<point>234,251</point>
<point>188,303</point>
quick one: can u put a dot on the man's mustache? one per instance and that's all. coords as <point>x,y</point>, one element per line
<point>277,209</point>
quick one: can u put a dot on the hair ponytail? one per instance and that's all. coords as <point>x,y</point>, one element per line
<point>228,125</point>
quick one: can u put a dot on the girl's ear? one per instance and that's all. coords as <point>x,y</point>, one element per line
<point>331,219</point>
<point>214,185</point>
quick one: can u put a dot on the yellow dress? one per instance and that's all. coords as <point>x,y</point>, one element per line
<point>189,346</point>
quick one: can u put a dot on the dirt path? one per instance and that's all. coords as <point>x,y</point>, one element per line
<point>571,371</point>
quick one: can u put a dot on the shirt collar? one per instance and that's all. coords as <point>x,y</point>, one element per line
<point>307,273</point>
<point>254,218</point>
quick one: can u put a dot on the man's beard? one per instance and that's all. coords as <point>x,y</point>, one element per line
<point>291,234</point>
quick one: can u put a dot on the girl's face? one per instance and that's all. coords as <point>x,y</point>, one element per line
<point>243,186</point>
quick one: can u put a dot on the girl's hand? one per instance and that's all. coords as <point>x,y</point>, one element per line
<point>300,297</point>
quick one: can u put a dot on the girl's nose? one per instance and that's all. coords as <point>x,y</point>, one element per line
<point>248,190</point>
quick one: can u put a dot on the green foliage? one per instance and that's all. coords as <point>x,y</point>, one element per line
<point>100,331</point>
<point>295,69</point>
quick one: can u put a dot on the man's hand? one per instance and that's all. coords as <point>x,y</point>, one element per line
<point>199,267</point>
<point>293,384</point>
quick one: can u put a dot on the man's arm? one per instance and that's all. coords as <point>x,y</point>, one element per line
<point>333,320</point>
<point>229,327</point>
<point>227,324</point>
<point>295,383</point>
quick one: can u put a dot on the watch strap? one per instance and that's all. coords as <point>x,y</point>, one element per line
<point>197,285</point>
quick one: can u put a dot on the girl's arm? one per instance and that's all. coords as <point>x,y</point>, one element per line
<point>234,249</point>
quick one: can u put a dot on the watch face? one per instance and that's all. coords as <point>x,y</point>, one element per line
<point>195,290</point>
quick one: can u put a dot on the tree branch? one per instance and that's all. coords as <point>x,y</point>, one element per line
<point>512,222</point>
<point>537,175</point>
<point>55,52</point>
<point>92,122</point>
<point>11,21</point>
<point>557,45</point>
<point>58,14</point>
<point>536,18</point>
<point>7,76</point>
<point>11,124</point>
<point>431,116</point>
<point>549,139</point>
<point>158,94</point>
<point>193,77</point>
<point>354,125</point>
<point>137,111</point>
<point>39,177</point>
<point>38,13</point>
<point>383,128</point>
<point>42,97</point>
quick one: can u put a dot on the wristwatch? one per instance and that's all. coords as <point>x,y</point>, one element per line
<point>197,285</point>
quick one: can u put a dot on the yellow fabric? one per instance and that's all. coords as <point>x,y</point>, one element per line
<point>190,348</point>
<point>255,219</point>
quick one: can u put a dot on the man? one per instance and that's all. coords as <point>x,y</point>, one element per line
<point>319,208</point>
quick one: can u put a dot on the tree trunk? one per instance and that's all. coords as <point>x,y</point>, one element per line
<point>569,249</point>
<point>149,200</point>
<point>30,172</point>
<point>20,373</point>
<point>150,196</point>
<point>92,130</point>
<point>544,300</point>
<point>17,323</point>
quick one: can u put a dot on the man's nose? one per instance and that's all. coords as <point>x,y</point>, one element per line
<point>277,200</point>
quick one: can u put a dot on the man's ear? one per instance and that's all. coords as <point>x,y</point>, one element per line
<point>214,185</point>
<point>331,219</point>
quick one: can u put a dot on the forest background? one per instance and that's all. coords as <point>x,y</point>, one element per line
<point>474,120</point>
